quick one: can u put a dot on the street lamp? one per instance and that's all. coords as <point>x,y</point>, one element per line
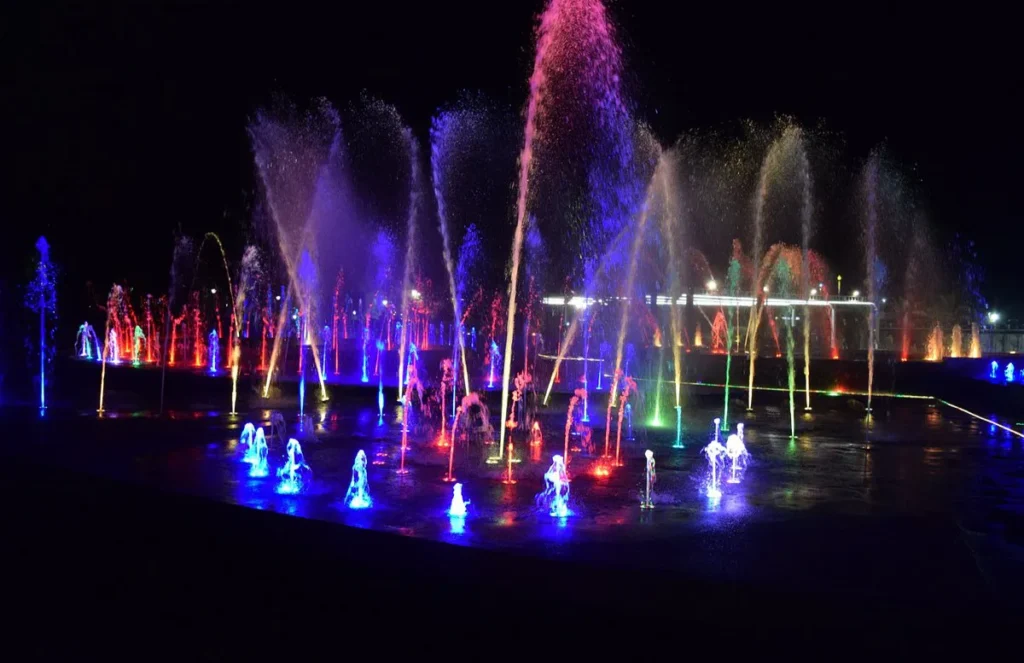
<point>415,294</point>
<point>993,317</point>
<point>765,289</point>
<point>213,291</point>
<point>814,292</point>
<point>856,293</point>
<point>839,285</point>
<point>711,285</point>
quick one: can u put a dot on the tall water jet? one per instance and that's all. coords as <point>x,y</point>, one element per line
<point>780,264</point>
<point>248,273</point>
<point>806,209</point>
<point>459,139</point>
<point>871,260</point>
<point>574,47</point>
<point>294,153</point>
<point>41,298</point>
<point>666,177</point>
<point>213,346</point>
<point>410,248</point>
<point>115,300</point>
<point>732,321</point>
<point>649,478</point>
<point>786,152</point>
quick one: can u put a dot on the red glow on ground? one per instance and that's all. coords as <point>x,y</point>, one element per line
<point>601,471</point>
<point>835,353</point>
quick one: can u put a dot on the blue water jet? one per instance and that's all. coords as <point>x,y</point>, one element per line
<point>358,495</point>
<point>295,475</point>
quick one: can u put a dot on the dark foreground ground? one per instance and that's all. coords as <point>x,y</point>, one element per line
<point>129,531</point>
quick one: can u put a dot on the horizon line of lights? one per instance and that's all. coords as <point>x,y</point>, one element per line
<point>580,302</point>
<point>981,418</point>
<point>823,392</point>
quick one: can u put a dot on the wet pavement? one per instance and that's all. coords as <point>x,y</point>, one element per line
<point>919,500</point>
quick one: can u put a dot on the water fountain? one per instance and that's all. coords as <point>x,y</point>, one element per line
<point>975,351</point>
<point>410,247</point>
<point>110,348</point>
<point>138,340</point>
<point>213,347</point>
<point>736,451</point>
<point>41,298</point>
<point>246,440</point>
<point>258,467</point>
<point>956,342</point>
<point>623,408</point>
<point>572,36</point>
<point>457,509</point>
<point>87,344</point>
<point>649,478</point>
<point>555,497</point>
<point>578,396</point>
<point>936,349</point>
<point>509,480</point>
<point>358,494</point>
<point>786,153</point>
<point>295,475</point>
<point>494,358</point>
<point>714,452</point>
<point>248,274</point>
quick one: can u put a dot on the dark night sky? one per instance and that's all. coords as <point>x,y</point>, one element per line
<point>126,121</point>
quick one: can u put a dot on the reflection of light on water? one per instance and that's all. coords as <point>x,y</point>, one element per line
<point>287,487</point>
